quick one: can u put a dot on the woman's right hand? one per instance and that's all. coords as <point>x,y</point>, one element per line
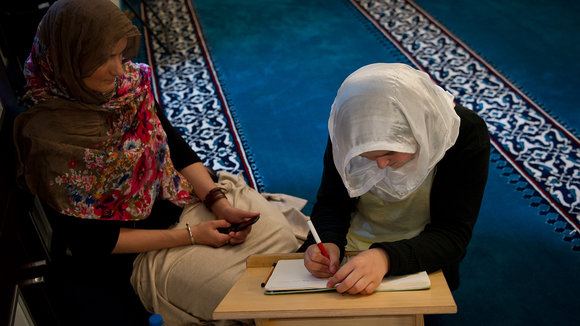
<point>206,233</point>
<point>319,265</point>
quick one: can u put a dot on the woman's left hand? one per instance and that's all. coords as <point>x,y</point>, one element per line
<point>224,211</point>
<point>239,237</point>
<point>362,274</point>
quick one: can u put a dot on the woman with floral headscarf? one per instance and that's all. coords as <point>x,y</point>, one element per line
<point>115,177</point>
<point>404,175</point>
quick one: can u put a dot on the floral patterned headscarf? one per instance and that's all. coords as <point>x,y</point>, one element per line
<point>87,154</point>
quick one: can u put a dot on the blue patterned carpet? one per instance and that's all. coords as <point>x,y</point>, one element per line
<point>251,82</point>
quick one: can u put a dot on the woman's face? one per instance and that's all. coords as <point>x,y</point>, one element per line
<point>392,159</point>
<point>103,79</point>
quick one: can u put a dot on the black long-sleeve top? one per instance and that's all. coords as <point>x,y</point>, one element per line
<point>90,238</point>
<point>455,200</point>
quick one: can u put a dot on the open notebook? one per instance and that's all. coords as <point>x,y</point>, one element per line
<point>290,276</point>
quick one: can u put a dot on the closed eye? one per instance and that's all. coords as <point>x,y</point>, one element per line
<point>386,155</point>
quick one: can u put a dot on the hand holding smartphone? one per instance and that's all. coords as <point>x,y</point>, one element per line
<point>235,227</point>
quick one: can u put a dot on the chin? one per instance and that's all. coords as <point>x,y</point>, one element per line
<point>107,89</point>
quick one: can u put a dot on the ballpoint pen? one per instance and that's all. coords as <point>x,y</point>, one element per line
<point>317,238</point>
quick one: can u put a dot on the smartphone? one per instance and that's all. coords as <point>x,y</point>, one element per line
<point>235,227</point>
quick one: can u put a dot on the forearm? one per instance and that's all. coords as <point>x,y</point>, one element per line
<point>140,240</point>
<point>202,183</point>
<point>199,179</point>
<point>430,251</point>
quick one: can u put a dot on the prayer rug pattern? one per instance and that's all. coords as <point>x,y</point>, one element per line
<point>189,91</point>
<point>538,155</point>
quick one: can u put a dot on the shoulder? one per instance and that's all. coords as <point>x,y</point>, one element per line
<point>472,130</point>
<point>470,119</point>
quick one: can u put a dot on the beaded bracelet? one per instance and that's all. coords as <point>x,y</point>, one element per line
<point>190,234</point>
<point>212,196</point>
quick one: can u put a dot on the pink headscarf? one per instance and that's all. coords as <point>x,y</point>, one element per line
<point>88,154</point>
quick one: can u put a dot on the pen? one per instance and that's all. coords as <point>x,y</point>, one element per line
<point>317,238</point>
<point>269,274</point>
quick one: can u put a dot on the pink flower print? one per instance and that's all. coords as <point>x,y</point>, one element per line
<point>73,163</point>
<point>145,172</point>
<point>112,207</point>
<point>183,195</point>
<point>99,162</point>
<point>144,126</point>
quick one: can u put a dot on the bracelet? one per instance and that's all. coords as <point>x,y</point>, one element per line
<point>190,234</point>
<point>212,196</point>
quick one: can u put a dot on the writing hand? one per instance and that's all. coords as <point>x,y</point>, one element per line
<point>362,274</point>
<point>319,265</point>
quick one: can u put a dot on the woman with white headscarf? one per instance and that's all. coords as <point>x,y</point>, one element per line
<point>404,175</point>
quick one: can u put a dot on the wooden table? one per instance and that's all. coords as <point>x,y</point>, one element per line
<point>246,300</point>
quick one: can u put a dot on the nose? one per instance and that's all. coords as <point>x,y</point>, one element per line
<point>117,66</point>
<point>382,162</point>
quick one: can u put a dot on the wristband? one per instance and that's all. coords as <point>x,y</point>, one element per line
<point>190,234</point>
<point>212,196</point>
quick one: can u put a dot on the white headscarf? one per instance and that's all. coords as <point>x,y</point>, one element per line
<point>390,106</point>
